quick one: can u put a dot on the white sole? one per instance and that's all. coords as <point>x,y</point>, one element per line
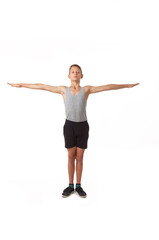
<point>81,196</point>
<point>68,195</point>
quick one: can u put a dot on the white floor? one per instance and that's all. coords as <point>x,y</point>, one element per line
<point>122,201</point>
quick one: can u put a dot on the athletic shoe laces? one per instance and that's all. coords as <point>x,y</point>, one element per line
<point>80,191</point>
<point>68,189</point>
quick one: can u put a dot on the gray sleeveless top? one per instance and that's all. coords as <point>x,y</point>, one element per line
<point>75,106</point>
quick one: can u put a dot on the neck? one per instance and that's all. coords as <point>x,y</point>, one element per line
<point>75,84</point>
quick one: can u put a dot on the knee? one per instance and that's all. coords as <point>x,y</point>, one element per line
<point>71,157</point>
<point>79,158</point>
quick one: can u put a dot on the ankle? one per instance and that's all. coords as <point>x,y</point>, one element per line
<point>71,185</point>
<point>78,185</point>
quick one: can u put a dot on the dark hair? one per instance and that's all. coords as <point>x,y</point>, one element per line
<point>75,65</point>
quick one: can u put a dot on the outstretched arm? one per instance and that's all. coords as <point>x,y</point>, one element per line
<point>33,86</point>
<point>54,89</point>
<point>107,87</point>
<point>118,86</point>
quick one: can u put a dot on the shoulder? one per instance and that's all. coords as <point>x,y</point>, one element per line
<point>87,89</point>
<point>62,89</point>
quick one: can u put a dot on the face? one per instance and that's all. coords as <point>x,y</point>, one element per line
<point>75,73</point>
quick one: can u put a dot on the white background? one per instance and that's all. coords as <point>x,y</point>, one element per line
<point>114,42</point>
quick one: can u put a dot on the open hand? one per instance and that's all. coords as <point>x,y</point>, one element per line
<point>14,84</point>
<point>132,85</point>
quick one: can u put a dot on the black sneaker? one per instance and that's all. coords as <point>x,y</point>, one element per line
<point>67,192</point>
<point>80,192</point>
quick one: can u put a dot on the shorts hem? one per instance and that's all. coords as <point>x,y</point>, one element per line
<point>82,147</point>
<point>76,146</point>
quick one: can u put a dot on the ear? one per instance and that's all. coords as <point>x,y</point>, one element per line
<point>82,76</point>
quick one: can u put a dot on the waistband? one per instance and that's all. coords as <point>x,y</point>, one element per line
<point>68,121</point>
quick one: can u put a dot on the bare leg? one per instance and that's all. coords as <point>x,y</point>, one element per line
<point>71,163</point>
<point>79,164</point>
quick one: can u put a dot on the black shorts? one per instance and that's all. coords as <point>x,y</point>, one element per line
<point>76,134</point>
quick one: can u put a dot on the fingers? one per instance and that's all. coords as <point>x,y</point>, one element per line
<point>13,84</point>
<point>133,85</point>
<point>10,84</point>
